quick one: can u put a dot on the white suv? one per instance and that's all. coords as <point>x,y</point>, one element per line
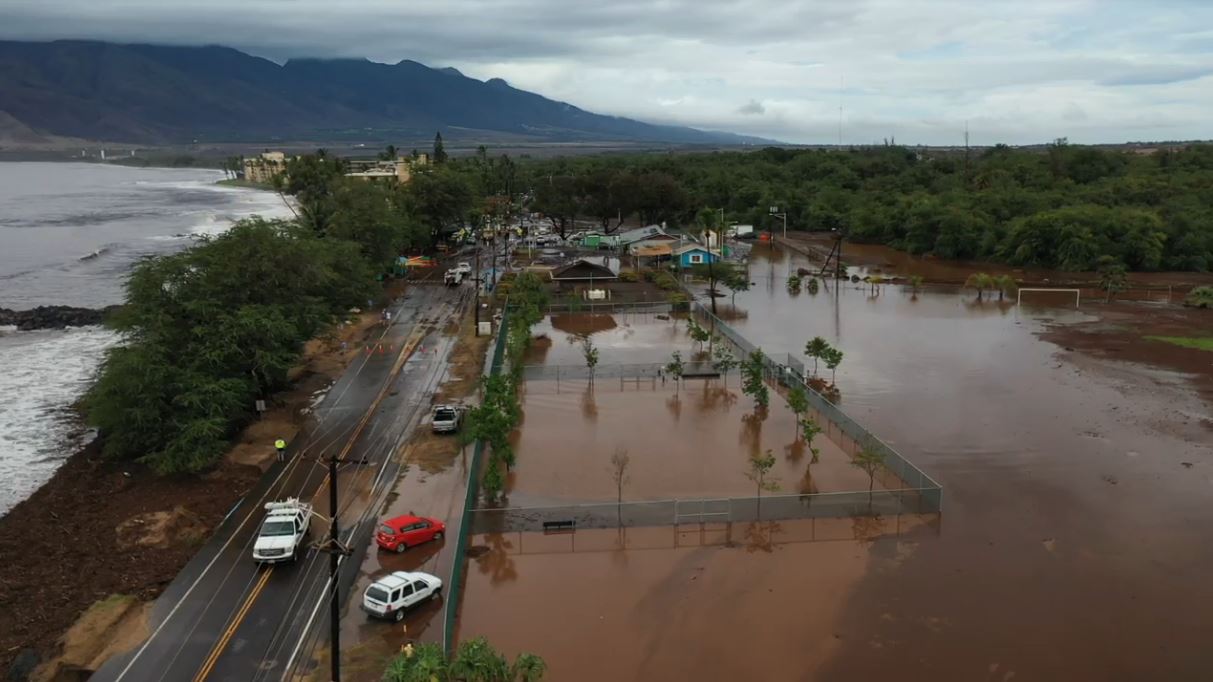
<point>390,596</point>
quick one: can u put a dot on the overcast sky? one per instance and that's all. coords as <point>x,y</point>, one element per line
<point>1018,71</point>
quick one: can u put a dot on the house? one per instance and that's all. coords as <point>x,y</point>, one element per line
<point>631,236</point>
<point>695,254</point>
<point>667,240</point>
<point>583,276</point>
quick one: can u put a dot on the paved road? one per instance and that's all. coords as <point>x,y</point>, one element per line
<point>226,618</point>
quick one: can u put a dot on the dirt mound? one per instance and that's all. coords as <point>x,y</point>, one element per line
<point>161,530</point>
<point>108,627</point>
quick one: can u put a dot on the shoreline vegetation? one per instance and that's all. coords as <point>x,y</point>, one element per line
<point>245,184</point>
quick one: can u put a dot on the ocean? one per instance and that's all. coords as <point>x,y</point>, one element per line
<point>69,233</point>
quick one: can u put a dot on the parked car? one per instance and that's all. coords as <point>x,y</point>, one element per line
<point>390,596</point>
<point>400,533</point>
<point>445,419</point>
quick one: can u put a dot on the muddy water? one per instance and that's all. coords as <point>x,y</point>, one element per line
<point>620,338</point>
<point>694,442</point>
<point>752,602</point>
<point>1077,491</point>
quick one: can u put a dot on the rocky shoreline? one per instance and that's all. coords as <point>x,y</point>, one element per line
<point>54,317</point>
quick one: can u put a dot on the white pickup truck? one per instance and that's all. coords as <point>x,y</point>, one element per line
<point>283,531</point>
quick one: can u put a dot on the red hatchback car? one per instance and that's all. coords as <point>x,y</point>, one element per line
<point>402,532</point>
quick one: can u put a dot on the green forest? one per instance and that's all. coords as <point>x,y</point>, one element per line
<point>1062,207</point>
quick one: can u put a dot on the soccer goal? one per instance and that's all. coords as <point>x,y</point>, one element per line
<point>1077,293</point>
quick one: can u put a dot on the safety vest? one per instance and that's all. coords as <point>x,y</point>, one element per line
<point>280,444</point>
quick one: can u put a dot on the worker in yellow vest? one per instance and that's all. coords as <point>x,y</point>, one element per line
<point>281,447</point>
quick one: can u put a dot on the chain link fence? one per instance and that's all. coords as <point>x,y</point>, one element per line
<point>897,472</point>
<point>454,594</point>
<point>709,510</point>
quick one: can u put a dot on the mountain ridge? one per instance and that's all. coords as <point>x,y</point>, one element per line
<point>158,94</point>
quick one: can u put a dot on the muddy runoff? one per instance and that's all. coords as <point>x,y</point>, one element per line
<point>1077,485</point>
<point>751,602</point>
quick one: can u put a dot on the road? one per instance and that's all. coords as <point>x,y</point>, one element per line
<point>226,618</point>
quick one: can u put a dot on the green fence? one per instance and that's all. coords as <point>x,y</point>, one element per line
<point>454,594</point>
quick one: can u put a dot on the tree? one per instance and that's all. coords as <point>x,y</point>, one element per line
<point>723,360</point>
<point>1005,284</point>
<point>559,199</point>
<point>760,473</point>
<point>794,284</point>
<point>389,153</point>
<point>439,149</point>
<point>590,353</point>
<point>915,284</point>
<point>811,430</point>
<point>816,348</point>
<point>1112,276</point>
<point>753,385</point>
<point>674,368</point>
<point>833,358</point>
<point>698,334</point>
<point>735,280</point>
<point>619,474</point>
<point>979,281</point>
<point>716,274</point>
<point>1199,297</point>
<point>798,402</point>
<point>869,460</point>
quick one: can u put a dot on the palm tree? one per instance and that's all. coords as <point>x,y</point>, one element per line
<point>477,661</point>
<point>529,668</point>
<point>979,281</point>
<point>1006,285</point>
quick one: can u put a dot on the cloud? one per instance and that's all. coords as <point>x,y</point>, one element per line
<point>752,108</point>
<point>776,68</point>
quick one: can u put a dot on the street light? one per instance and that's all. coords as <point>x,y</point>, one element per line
<point>775,212</point>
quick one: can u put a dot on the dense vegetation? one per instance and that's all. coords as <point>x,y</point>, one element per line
<point>1064,207</point>
<point>474,661</point>
<point>211,329</point>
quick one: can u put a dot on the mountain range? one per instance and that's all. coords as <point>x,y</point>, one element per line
<point>153,94</point>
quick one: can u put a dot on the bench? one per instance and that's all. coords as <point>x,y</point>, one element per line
<point>566,524</point>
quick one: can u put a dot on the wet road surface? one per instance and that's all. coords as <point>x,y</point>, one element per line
<point>226,618</point>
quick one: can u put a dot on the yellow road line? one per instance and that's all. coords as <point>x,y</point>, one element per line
<point>223,641</point>
<point>231,630</point>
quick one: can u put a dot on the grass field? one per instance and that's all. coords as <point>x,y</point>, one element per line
<point>1197,342</point>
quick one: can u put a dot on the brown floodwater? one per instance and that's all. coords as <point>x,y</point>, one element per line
<point>1073,544</point>
<point>1077,490</point>
<point>747,602</point>
<point>695,442</point>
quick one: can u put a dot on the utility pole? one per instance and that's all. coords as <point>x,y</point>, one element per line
<point>476,298</point>
<point>335,551</point>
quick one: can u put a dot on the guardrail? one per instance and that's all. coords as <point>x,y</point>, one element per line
<point>454,594</point>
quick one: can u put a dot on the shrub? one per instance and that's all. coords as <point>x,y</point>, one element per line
<point>629,276</point>
<point>1200,297</point>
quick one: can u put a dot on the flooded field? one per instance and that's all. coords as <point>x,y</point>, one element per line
<point>754,602</point>
<point>1073,546</point>
<point>693,443</point>
<point>1077,488</point>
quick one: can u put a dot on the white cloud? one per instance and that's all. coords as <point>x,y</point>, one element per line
<point>1026,71</point>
